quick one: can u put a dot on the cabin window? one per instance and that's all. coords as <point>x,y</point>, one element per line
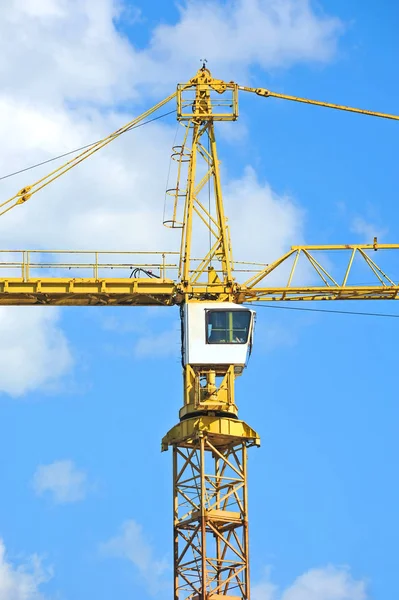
<point>227,326</point>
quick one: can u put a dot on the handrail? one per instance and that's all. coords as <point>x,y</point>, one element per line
<point>136,264</point>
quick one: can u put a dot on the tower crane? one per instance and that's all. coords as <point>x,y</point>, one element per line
<point>209,442</point>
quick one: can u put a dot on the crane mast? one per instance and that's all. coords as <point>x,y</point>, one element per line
<point>209,443</point>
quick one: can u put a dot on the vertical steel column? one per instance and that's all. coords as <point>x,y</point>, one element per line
<point>202,513</point>
<point>245,516</point>
<point>218,544</point>
<point>175,521</point>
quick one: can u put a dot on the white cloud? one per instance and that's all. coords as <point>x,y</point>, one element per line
<point>327,583</point>
<point>40,8</point>
<point>266,590</point>
<point>262,223</point>
<point>33,349</point>
<point>266,33</point>
<point>79,44</point>
<point>64,50</point>
<point>366,229</point>
<point>131,544</point>
<point>62,480</point>
<point>113,201</point>
<point>23,581</point>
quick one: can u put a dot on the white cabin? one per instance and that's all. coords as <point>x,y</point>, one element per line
<point>217,333</point>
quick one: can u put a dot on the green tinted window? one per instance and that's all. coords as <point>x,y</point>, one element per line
<point>228,326</point>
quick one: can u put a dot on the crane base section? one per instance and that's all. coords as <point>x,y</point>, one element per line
<point>211,559</point>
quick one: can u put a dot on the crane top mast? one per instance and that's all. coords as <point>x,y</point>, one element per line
<point>197,110</point>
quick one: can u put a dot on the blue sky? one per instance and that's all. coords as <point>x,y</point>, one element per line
<point>86,394</point>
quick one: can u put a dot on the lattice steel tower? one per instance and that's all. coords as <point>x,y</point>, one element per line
<point>211,555</point>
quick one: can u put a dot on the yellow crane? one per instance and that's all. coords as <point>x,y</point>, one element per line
<point>211,559</point>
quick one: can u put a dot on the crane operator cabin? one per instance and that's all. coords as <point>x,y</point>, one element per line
<point>217,334</point>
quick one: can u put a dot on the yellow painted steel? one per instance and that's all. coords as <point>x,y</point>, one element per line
<point>87,292</point>
<point>202,125</point>
<point>203,394</point>
<point>210,519</point>
<point>209,429</point>
<point>150,292</point>
<point>197,97</point>
<point>35,283</point>
<point>216,428</point>
<point>269,94</point>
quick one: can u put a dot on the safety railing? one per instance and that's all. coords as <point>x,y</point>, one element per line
<point>36,264</point>
<point>30,264</point>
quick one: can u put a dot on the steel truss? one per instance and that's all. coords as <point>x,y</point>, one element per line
<point>210,519</point>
